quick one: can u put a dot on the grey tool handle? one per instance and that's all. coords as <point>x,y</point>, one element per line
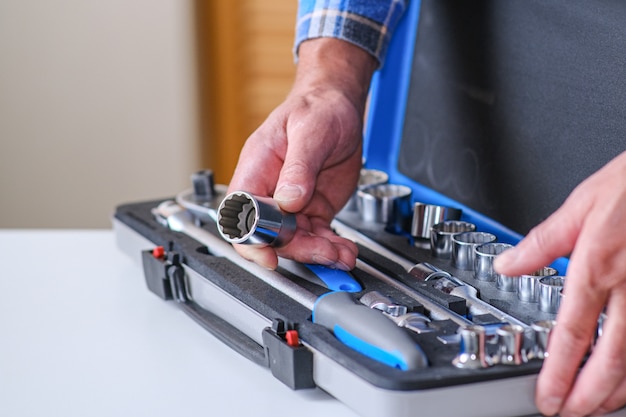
<point>368,331</point>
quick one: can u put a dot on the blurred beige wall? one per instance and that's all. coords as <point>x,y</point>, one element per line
<point>97,108</point>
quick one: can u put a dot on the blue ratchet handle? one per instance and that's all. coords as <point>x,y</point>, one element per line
<point>368,331</point>
<point>335,279</point>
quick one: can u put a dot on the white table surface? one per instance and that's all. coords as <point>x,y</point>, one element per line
<point>80,335</point>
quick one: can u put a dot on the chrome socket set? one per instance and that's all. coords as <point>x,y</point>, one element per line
<point>411,324</point>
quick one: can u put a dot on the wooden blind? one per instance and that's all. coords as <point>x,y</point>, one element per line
<point>245,70</point>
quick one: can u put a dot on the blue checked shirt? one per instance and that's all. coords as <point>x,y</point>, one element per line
<point>366,23</point>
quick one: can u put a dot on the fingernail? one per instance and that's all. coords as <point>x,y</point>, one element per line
<point>267,266</point>
<point>551,406</point>
<point>262,264</point>
<point>341,265</point>
<point>322,260</point>
<point>288,193</point>
<point>260,260</point>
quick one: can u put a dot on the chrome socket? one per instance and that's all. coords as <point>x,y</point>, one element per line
<point>528,285</point>
<point>463,245</point>
<point>510,344</point>
<point>472,348</point>
<point>425,216</point>
<point>243,218</point>
<point>542,330</point>
<point>485,255</point>
<point>441,236</point>
<point>367,178</point>
<point>385,203</point>
<point>550,288</point>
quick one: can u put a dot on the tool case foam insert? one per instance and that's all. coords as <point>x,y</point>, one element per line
<point>253,317</point>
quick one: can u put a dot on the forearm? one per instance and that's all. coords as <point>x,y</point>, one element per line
<point>368,24</point>
<point>332,64</point>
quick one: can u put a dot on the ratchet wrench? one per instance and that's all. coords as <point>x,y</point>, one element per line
<point>357,326</point>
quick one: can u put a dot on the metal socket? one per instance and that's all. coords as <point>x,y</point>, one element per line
<point>472,348</point>
<point>247,219</point>
<point>550,293</point>
<point>441,236</point>
<point>485,254</point>
<point>425,216</point>
<point>367,178</point>
<point>385,203</point>
<point>463,245</point>
<point>542,330</point>
<point>528,287</point>
<point>510,343</point>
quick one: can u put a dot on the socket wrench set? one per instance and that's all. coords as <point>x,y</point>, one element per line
<point>423,318</point>
<point>461,157</point>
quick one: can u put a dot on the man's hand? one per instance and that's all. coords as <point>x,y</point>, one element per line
<point>590,225</point>
<point>307,154</point>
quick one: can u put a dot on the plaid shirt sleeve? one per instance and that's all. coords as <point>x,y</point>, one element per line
<point>366,23</point>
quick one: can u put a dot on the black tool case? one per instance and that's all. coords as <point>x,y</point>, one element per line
<point>252,317</point>
<point>446,119</point>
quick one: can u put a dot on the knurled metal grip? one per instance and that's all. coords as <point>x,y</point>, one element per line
<point>247,219</point>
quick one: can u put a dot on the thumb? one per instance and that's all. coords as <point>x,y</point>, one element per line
<point>298,176</point>
<point>295,185</point>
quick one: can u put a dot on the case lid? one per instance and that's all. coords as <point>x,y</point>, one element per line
<point>500,108</point>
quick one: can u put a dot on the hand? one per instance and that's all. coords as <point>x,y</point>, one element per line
<point>307,154</point>
<point>591,226</point>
